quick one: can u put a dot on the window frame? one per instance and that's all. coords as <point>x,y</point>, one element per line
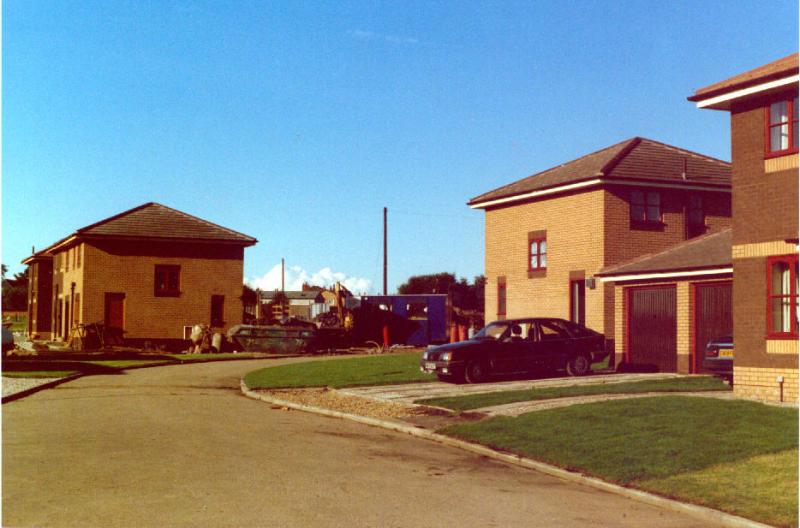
<point>167,291</point>
<point>645,205</point>
<point>539,253</point>
<point>789,99</point>
<point>792,261</point>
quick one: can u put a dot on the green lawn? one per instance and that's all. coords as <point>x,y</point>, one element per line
<point>337,373</point>
<point>674,445</point>
<point>38,374</point>
<point>127,363</point>
<point>476,401</point>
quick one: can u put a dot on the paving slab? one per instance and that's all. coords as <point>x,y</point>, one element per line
<point>408,393</point>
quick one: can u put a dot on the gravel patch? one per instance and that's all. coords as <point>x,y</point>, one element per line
<point>15,385</point>
<point>331,399</point>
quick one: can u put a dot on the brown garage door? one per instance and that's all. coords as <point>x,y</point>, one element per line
<point>652,327</point>
<point>713,317</point>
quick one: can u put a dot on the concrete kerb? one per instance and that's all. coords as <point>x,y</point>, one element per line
<point>699,512</point>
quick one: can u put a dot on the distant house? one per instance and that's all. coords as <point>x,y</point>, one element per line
<point>549,234</point>
<point>150,271</point>
<point>304,305</point>
<point>763,105</point>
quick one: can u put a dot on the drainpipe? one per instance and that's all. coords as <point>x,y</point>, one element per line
<point>779,379</point>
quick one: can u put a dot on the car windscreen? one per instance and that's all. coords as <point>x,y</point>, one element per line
<point>492,331</point>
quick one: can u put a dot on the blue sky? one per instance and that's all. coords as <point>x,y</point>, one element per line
<point>297,122</point>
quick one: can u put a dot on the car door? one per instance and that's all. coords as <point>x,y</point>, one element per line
<point>513,351</point>
<point>553,346</point>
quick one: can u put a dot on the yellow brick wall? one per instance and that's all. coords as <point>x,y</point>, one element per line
<point>151,317</point>
<point>761,383</point>
<point>574,225</point>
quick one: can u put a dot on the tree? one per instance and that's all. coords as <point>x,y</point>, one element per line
<point>15,291</point>
<point>434,283</point>
<point>463,295</point>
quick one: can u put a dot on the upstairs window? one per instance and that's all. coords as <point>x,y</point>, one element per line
<point>695,217</point>
<point>782,297</point>
<point>781,119</point>
<point>167,280</point>
<point>645,206</point>
<point>537,254</point>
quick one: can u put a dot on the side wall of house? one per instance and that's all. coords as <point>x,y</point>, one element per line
<point>574,230</point>
<point>110,268</point>
<point>624,242</point>
<point>765,204</point>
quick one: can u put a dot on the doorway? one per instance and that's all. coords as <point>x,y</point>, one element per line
<point>577,301</point>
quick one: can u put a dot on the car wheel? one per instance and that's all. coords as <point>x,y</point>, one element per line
<point>579,366</point>
<point>475,372</point>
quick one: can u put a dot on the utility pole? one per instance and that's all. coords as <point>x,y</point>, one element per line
<point>283,267</point>
<point>384,251</point>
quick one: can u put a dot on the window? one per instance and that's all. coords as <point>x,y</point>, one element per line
<point>782,297</point>
<point>781,124</point>
<point>501,296</point>
<point>645,206</point>
<point>537,254</point>
<point>217,310</point>
<point>695,217</point>
<point>67,256</point>
<point>78,256</point>
<point>167,281</point>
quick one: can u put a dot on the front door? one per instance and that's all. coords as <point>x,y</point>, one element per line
<point>577,301</point>
<point>115,310</point>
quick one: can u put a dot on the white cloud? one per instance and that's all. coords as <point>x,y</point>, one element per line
<point>371,35</point>
<point>295,276</point>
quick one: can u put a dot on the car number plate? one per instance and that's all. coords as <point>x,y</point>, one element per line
<point>430,366</point>
<point>725,352</point>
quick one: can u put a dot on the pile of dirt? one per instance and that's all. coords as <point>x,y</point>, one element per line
<point>333,400</point>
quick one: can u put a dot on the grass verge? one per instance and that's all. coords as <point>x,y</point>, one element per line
<point>476,401</point>
<point>38,374</point>
<point>338,373</point>
<point>653,443</point>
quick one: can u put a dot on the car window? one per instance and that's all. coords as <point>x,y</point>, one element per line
<point>549,330</point>
<point>576,329</point>
<point>519,332</point>
<point>493,331</point>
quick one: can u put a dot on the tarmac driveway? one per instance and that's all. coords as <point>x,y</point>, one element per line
<point>180,446</point>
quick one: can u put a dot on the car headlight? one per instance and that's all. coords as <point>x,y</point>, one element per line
<point>425,355</point>
<point>446,356</point>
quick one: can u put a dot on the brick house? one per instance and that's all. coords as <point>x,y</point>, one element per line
<point>670,304</point>
<point>549,234</point>
<point>763,105</point>
<point>150,271</point>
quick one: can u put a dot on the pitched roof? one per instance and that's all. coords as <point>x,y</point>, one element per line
<point>308,295</point>
<point>774,70</point>
<point>636,159</point>
<point>708,251</point>
<point>155,221</point>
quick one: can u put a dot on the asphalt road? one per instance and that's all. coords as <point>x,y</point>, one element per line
<point>180,446</point>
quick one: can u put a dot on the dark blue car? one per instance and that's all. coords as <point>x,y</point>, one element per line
<point>718,357</point>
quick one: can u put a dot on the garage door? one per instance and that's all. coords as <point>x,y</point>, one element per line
<point>652,327</point>
<point>713,309</point>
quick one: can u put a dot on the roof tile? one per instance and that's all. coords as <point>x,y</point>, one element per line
<point>635,159</point>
